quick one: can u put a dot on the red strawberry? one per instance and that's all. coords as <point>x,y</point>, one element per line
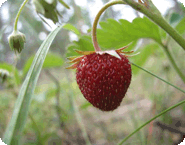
<point>103,79</point>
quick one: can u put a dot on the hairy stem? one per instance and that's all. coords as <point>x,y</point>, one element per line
<point>153,13</point>
<point>94,29</point>
<point>166,50</point>
<point>18,14</point>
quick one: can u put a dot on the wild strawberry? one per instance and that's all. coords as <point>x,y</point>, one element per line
<point>103,79</point>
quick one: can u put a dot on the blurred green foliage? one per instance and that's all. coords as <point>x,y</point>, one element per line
<point>51,60</point>
<point>44,125</point>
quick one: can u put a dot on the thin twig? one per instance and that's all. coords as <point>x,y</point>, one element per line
<point>57,83</point>
<point>183,91</point>
<point>59,110</point>
<point>80,122</point>
<point>169,128</point>
<point>160,114</point>
<point>151,124</point>
<point>37,128</point>
<point>78,116</point>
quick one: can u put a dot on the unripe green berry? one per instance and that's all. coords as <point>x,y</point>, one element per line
<point>16,41</point>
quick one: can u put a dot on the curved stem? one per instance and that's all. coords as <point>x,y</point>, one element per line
<point>59,110</point>
<point>183,91</point>
<point>153,13</point>
<point>94,37</point>
<point>163,112</point>
<point>78,115</point>
<point>80,122</point>
<point>16,59</point>
<point>18,14</point>
<point>37,128</point>
<point>57,106</point>
<point>181,75</point>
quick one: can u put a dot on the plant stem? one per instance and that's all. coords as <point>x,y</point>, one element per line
<point>94,37</point>
<point>77,114</point>
<point>37,128</point>
<point>166,50</point>
<point>18,14</point>
<point>163,112</point>
<point>183,91</point>
<point>57,106</point>
<point>80,122</point>
<point>16,59</point>
<point>153,13</point>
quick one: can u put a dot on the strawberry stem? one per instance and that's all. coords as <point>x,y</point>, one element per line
<point>154,14</point>
<point>94,38</point>
<point>18,14</point>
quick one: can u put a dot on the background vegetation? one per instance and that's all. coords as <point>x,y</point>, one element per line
<point>59,114</point>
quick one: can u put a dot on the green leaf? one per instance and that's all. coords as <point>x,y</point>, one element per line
<point>175,19</point>
<point>12,71</point>
<point>16,125</point>
<point>64,4</point>
<point>144,55</point>
<point>51,60</point>
<point>71,28</point>
<point>114,35</point>
<point>181,26</point>
<point>84,44</point>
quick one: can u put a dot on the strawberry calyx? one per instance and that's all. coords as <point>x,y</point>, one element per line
<point>76,59</point>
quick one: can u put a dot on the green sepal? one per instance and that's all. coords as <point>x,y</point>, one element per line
<point>16,41</point>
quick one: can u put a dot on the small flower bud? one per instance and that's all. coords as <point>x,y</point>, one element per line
<point>16,41</point>
<point>4,74</point>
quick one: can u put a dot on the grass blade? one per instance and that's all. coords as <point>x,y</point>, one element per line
<point>16,125</point>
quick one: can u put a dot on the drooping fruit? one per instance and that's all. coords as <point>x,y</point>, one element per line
<point>103,79</point>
